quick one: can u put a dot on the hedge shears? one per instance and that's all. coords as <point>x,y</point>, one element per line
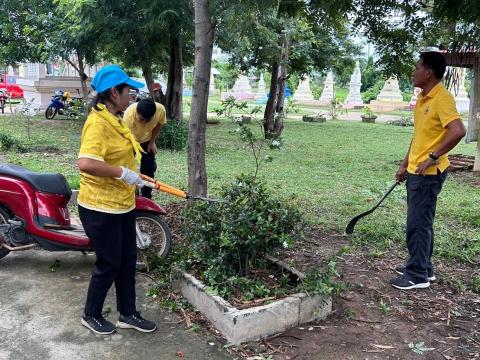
<point>155,184</point>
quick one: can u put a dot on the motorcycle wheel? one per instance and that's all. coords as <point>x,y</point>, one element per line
<point>160,235</point>
<point>4,216</point>
<point>2,105</point>
<point>50,112</point>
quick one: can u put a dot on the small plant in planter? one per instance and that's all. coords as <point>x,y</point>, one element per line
<point>368,115</point>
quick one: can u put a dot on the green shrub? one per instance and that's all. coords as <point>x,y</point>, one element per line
<point>476,284</point>
<point>372,93</point>
<point>173,136</point>
<point>8,142</point>
<point>227,238</point>
<point>403,121</point>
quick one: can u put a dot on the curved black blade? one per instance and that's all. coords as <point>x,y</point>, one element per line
<point>351,225</point>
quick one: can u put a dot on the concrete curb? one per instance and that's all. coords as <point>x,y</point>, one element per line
<point>254,323</point>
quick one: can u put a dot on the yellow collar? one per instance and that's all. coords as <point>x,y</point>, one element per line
<point>121,128</point>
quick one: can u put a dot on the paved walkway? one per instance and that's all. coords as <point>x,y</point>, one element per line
<point>40,316</point>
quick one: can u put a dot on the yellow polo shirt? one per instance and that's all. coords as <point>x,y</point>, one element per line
<point>100,141</point>
<point>433,112</point>
<point>142,130</point>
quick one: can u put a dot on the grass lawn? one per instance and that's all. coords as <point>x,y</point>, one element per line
<point>333,171</point>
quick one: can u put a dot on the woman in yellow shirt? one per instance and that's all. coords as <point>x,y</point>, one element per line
<point>106,202</point>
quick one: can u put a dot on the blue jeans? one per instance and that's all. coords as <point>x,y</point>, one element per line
<point>422,193</point>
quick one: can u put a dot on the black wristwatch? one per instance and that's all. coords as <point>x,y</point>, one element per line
<point>433,157</point>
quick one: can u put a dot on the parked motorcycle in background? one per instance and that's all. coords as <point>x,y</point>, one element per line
<point>3,99</point>
<point>63,103</point>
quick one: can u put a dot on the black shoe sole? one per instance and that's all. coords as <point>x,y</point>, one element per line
<point>122,325</point>
<point>86,324</point>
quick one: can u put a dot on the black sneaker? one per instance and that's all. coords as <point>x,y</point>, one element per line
<point>136,322</point>
<point>98,324</point>
<point>400,270</point>
<point>405,283</point>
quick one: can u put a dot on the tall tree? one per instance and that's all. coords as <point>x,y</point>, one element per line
<point>285,37</point>
<point>204,37</point>
<point>38,31</point>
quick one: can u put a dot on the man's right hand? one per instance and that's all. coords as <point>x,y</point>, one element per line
<point>401,175</point>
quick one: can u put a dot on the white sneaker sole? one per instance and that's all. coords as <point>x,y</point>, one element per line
<point>430,278</point>
<point>414,286</point>
<point>122,325</point>
<point>84,323</point>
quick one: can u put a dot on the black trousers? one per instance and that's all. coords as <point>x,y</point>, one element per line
<point>114,240</point>
<point>148,166</point>
<point>422,193</point>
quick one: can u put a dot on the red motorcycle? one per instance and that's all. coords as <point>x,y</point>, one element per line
<point>34,213</point>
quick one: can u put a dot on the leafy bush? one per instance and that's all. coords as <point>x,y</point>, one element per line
<point>476,284</point>
<point>8,142</point>
<point>173,136</point>
<point>228,238</point>
<point>372,93</point>
<point>403,121</point>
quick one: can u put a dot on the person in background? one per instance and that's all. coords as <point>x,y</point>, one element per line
<point>145,119</point>
<point>438,128</point>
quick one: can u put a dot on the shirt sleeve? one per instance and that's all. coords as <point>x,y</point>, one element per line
<point>447,110</point>
<point>93,143</point>
<point>129,115</point>
<point>160,114</point>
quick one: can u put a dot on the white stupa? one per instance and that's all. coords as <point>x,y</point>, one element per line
<point>304,95</point>
<point>211,88</point>
<point>354,99</point>
<point>390,98</point>
<point>261,92</point>
<point>390,91</point>
<point>241,90</point>
<point>327,93</point>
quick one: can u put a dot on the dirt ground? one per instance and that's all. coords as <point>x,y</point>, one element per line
<point>372,320</point>
<point>441,317</point>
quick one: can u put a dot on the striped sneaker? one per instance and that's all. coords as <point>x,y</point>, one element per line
<point>98,324</point>
<point>405,283</point>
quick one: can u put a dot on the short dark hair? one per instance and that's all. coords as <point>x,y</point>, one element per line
<point>146,108</point>
<point>436,61</point>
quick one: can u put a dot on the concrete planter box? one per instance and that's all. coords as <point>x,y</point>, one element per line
<point>369,119</point>
<point>257,322</point>
<point>316,119</point>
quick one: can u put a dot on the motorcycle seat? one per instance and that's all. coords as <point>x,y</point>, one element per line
<point>50,183</point>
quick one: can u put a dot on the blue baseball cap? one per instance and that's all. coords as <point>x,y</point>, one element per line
<point>112,75</point>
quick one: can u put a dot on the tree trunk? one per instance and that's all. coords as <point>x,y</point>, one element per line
<point>174,98</point>
<point>269,115</point>
<point>204,34</point>
<point>148,76</point>
<point>83,77</point>
<point>278,123</point>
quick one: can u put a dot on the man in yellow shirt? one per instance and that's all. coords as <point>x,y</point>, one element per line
<point>438,128</point>
<point>145,119</point>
